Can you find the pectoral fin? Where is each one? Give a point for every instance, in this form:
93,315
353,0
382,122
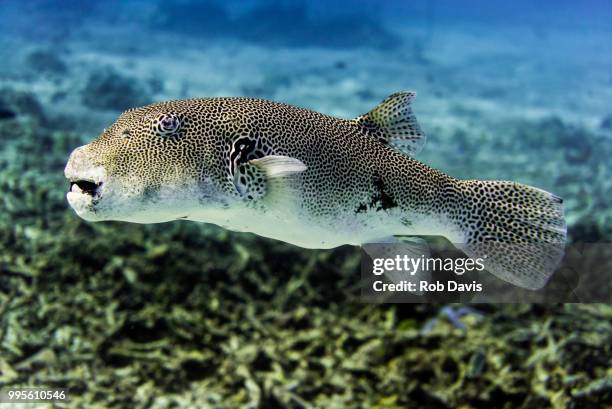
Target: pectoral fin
271,178
279,166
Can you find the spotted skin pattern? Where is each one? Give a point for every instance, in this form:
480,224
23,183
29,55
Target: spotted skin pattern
208,135
359,179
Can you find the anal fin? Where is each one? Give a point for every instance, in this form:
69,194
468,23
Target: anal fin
412,247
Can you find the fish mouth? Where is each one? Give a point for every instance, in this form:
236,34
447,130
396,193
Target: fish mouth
83,196
85,187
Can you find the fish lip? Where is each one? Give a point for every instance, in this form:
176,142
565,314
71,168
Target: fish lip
84,204
85,186
89,183
83,195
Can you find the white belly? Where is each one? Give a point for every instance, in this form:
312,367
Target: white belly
308,231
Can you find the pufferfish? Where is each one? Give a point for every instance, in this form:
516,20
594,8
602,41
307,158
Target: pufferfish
309,179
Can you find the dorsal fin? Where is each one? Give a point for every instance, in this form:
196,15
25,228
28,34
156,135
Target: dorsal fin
393,122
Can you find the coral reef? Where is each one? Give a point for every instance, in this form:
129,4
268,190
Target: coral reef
189,315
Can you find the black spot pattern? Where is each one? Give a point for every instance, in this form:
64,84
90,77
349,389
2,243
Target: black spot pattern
381,199
352,166
341,158
247,148
250,181
520,229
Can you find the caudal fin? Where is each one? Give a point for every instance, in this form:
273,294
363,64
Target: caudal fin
519,230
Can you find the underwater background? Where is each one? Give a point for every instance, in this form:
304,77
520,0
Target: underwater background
189,315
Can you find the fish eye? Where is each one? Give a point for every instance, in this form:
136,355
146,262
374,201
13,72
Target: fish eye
126,133
167,125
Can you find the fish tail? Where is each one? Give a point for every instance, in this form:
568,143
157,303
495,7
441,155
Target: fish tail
519,230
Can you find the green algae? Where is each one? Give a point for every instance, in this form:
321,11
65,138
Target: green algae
189,315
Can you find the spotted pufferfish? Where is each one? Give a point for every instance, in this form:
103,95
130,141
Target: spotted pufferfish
308,179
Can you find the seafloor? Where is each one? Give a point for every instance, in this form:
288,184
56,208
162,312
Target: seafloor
190,315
